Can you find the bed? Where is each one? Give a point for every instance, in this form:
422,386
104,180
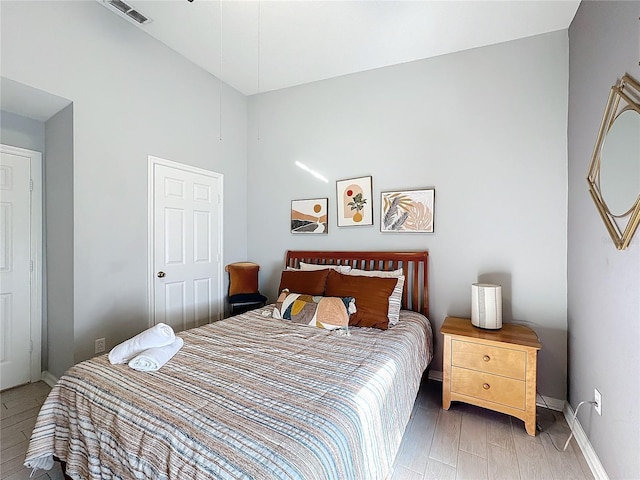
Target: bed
250,397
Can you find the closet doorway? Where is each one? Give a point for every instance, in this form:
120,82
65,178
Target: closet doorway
20,265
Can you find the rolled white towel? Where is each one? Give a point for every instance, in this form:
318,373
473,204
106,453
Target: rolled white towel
154,358
156,336
43,462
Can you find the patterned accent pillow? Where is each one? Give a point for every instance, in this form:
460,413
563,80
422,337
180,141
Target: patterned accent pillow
395,300
330,313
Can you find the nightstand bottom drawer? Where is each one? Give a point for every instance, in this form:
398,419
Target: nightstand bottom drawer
491,388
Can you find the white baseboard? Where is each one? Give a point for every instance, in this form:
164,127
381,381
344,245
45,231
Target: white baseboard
581,437
589,453
552,403
49,378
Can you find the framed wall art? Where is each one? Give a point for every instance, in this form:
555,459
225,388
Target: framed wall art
409,211
353,197
309,216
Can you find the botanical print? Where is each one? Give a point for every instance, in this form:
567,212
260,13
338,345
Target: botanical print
407,211
309,216
354,202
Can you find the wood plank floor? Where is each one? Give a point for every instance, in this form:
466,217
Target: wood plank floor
464,442
467,442
19,408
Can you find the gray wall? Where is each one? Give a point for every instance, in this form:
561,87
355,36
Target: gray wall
485,127
603,283
23,132
132,97
58,179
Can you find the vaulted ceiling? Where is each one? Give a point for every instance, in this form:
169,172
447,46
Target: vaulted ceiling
258,46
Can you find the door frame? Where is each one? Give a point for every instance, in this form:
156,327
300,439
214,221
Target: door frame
35,287
151,292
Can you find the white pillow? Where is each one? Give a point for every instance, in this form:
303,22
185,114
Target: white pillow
312,266
376,273
395,300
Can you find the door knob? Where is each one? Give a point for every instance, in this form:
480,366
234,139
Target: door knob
161,274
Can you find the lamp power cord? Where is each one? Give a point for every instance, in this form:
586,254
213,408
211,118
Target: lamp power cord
573,422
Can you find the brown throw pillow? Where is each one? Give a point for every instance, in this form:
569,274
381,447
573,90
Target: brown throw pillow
307,282
243,278
371,294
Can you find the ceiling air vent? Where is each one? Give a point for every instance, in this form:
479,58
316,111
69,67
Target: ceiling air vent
126,11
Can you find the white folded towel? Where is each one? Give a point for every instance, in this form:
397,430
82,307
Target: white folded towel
154,358
43,462
156,336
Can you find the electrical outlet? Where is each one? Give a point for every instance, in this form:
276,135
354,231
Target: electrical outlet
598,399
100,345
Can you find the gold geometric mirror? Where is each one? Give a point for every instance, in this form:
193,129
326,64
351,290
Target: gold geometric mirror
614,173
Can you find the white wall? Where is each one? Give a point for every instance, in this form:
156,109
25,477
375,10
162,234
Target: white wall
132,97
58,180
485,127
603,283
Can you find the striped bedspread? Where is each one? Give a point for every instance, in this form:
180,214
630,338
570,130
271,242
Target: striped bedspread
249,397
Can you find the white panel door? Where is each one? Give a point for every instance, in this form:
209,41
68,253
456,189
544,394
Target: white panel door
187,227
15,270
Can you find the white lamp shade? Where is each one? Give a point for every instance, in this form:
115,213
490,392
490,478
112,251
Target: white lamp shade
486,306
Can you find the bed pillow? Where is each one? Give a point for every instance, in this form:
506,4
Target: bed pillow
330,313
376,273
313,266
310,283
395,300
371,295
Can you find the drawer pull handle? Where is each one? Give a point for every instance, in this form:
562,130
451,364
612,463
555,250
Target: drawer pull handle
486,386
486,358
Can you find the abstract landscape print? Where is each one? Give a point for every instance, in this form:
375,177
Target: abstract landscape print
309,216
407,211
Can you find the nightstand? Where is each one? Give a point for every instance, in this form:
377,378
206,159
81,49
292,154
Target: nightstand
494,369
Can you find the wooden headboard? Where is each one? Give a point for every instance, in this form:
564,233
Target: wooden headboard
413,264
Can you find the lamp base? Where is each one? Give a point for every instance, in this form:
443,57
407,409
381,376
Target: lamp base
495,326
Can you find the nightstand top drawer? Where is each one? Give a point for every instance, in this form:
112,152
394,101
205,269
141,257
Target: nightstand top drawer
490,359
509,333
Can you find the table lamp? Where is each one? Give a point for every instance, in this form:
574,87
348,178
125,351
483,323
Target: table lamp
486,306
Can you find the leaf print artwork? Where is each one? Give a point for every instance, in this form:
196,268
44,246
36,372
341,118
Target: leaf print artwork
420,217
358,202
393,203
407,211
